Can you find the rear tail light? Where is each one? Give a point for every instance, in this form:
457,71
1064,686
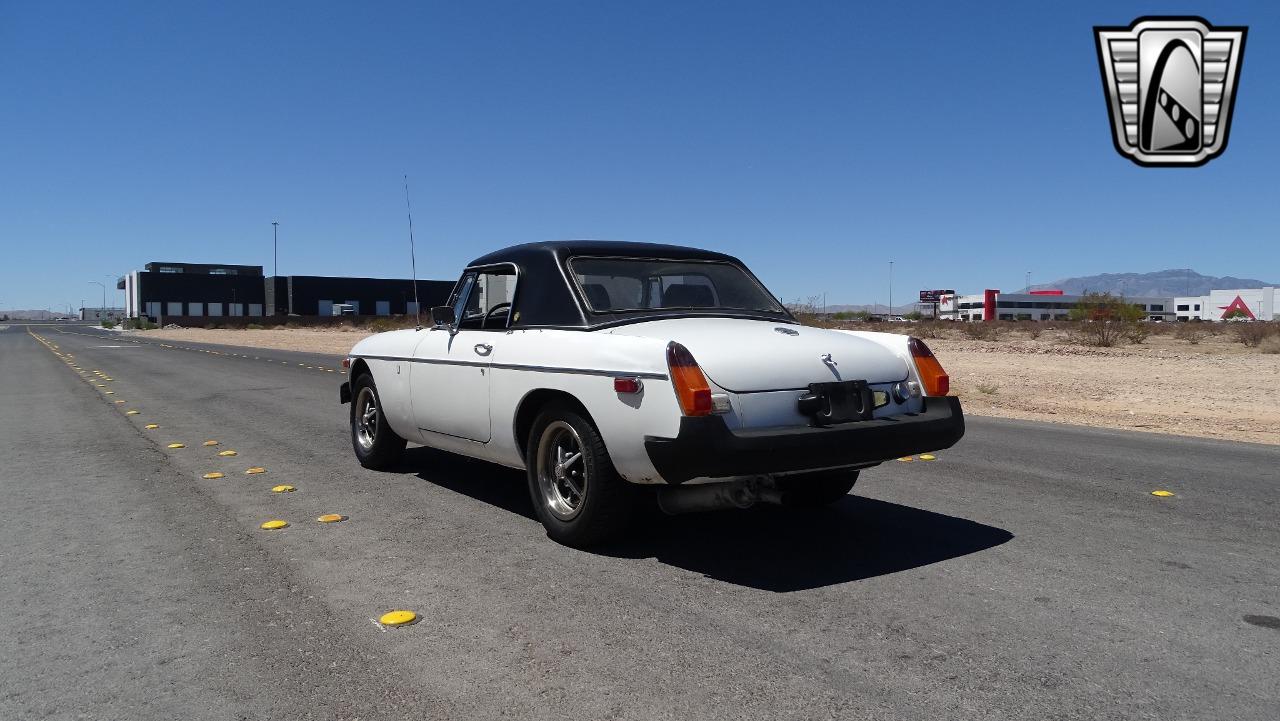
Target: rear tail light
935,380
692,389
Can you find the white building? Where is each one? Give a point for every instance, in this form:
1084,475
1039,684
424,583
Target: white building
1248,303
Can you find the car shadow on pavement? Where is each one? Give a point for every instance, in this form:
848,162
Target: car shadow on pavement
766,547
783,549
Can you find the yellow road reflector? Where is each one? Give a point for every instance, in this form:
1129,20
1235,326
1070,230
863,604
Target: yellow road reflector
273,525
928,457
398,618
131,412
283,488
331,518
152,426
255,471
101,385
215,474
110,393
227,453
1162,493
206,444
177,445
119,402
906,459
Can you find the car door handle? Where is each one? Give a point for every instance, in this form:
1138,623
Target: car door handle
483,349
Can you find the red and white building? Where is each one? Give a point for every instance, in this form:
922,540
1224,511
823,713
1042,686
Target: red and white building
1245,303
1035,305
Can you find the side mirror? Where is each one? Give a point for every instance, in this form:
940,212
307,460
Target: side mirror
442,315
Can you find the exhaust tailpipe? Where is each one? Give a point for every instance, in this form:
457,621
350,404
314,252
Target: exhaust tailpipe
746,493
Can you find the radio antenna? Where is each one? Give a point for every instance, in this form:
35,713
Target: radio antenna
413,262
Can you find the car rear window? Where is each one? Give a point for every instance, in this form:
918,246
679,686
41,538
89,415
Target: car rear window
611,285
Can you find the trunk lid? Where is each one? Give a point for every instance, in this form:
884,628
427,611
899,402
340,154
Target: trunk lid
742,355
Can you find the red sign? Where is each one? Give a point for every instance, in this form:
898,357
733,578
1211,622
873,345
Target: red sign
1237,305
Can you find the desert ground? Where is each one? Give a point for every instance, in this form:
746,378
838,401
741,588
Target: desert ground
1215,387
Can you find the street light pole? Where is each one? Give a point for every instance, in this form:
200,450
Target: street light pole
102,312
275,248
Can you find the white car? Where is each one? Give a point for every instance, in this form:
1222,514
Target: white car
606,369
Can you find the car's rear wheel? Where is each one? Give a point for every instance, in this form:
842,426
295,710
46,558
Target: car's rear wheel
376,445
578,496
821,488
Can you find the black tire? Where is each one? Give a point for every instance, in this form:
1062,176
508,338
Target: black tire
821,488
607,504
376,445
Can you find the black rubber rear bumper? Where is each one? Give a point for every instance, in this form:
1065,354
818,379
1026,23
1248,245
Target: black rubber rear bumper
705,447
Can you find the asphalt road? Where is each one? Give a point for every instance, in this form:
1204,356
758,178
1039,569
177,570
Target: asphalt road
1027,573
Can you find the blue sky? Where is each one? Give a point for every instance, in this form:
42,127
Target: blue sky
967,142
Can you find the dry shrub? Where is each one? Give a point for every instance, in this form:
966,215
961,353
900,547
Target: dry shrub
1191,332
1270,346
1138,332
382,325
1252,333
1100,333
928,329
1034,330
980,330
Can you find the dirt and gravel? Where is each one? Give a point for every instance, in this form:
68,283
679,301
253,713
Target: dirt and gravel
1216,388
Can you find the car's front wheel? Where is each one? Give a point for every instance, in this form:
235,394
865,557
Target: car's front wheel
376,445
578,496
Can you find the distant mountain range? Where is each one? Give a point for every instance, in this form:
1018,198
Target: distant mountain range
1161,283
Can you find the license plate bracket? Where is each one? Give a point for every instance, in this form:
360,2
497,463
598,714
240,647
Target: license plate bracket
837,402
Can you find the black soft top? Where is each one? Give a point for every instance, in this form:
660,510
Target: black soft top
546,297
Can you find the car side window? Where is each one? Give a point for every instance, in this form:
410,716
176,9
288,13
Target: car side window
486,303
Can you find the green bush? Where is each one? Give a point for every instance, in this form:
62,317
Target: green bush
253,326
1104,320
108,323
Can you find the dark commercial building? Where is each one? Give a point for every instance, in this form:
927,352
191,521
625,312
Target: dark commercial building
202,290
316,295
165,290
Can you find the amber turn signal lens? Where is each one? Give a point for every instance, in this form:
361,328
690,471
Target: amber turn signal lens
935,380
692,389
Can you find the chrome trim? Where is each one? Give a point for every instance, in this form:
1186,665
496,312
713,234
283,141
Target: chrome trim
518,367
480,269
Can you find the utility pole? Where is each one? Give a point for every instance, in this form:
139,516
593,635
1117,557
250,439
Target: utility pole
275,248
1028,281
890,313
